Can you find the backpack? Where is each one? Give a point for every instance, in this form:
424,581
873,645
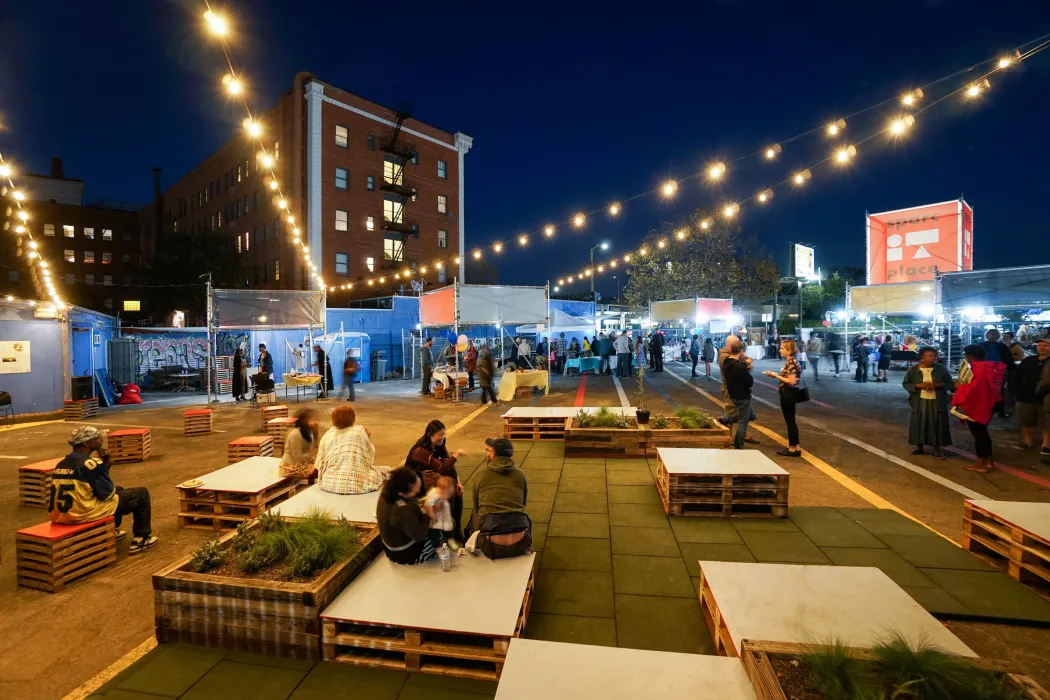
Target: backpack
991,351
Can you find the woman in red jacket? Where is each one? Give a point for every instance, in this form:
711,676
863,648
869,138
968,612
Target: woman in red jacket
429,459
471,359
973,401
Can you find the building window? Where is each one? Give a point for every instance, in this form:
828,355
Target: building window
393,211
69,255
245,204
370,263
107,234
89,256
371,142
276,150
415,159
125,258
107,258
342,264
371,182
266,233
341,218
442,276
175,226
247,241
240,245
370,223
69,278
393,249
108,303
67,230
255,200
12,275
218,216
342,135
49,229
89,279
442,170
255,236
238,173
107,280
127,280
276,270
442,238
266,272
125,236
393,172
442,204
341,175
132,305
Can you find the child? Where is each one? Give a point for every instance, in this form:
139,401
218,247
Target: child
802,359
438,498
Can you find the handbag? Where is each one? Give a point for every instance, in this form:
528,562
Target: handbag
801,392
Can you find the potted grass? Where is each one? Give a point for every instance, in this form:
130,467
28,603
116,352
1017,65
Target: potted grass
601,432
892,669
643,400
688,427
262,588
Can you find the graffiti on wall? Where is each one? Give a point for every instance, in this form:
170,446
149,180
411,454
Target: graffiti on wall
227,342
170,351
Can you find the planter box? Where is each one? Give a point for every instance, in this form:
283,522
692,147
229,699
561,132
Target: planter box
757,665
640,441
275,618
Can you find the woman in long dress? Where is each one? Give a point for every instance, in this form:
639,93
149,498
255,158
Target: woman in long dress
928,384
240,372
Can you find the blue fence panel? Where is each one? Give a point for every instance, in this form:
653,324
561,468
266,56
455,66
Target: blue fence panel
41,389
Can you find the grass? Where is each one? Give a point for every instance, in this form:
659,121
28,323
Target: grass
602,418
693,418
838,676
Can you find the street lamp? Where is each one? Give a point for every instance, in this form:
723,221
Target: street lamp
617,288
604,246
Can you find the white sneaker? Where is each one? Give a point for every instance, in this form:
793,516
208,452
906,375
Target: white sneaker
121,534
141,544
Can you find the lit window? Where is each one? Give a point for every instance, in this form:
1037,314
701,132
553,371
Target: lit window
442,170
238,173
442,204
89,256
342,135
218,215
341,218
107,258
442,238
370,263
342,264
89,279
67,230
69,278
371,182
247,241
393,211
393,249
240,245
89,233
276,150
371,143
108,303
107,280
370,223
276,270
175,227
69,255
125,258
49,229
393,172
12,275
132,305
107,234
341,175
125,236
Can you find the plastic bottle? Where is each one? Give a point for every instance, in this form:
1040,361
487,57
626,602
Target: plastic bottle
445,556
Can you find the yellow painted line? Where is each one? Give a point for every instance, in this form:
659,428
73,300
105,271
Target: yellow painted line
98,680
477,412
822,466
19,426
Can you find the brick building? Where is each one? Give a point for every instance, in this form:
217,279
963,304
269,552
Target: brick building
371,189
92,246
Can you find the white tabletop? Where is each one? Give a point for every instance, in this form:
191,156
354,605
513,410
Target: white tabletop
561,411
1033,517
689,460
357,508
424,596
557,671
250,475
811,603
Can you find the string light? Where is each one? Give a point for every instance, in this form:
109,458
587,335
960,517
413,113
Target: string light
253,127
1004,62
975,89
802,177
901,124
705,224
680,234
661,243
909,99
612,263
6,171
669,188
43,279
18,196
266,159
579,220
773,151
716,171
614,209
216,23
845,154
498,247
643,252
523,239
477,255
836,127
234,86
730,210
548,231
627,258
765,195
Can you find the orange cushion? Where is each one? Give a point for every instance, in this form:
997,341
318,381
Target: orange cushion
250,440
285,420
45,466
131,432
53,531
197,412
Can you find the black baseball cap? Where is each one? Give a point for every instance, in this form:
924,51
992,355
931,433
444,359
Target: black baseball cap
502,446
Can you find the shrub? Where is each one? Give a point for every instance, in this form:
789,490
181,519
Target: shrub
207,556
930,673
603,417
623,421
658,422
584,419
308,545
837,676
692,418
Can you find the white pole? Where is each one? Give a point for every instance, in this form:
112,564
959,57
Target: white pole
207,344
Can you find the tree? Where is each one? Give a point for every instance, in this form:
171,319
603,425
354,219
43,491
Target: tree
175,274
720,262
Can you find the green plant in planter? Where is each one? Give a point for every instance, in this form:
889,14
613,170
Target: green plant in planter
604,417
623,421
584,419
308,545
658,422
207,556
643,399
692,418
837,676
930,673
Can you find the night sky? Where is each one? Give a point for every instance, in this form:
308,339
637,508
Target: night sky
572,105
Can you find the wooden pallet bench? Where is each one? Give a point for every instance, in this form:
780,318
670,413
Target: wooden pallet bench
249,446
720,483
853,605
234,494
131,445
538,428
271,412
196,421
81,409
278,428
467,642
50,556
34,483
1011,535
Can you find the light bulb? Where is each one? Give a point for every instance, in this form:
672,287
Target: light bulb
669,188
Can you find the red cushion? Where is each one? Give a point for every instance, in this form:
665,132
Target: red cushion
54,531
130,432
197,412
46,466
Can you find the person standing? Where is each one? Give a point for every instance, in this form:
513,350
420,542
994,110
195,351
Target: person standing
789,376
426,364
1030,408
470,359
514,353
694,353
973,402
860,355
350,367
622,346
605,351
885,353
240,375
729,415
560,349
928,385
639,352
738,383
324,368
300,358
486,374
815,350
656,347
265,361
1016,349
708,356
997,353
524,351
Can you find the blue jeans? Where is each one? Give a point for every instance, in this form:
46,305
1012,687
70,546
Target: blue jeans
744,415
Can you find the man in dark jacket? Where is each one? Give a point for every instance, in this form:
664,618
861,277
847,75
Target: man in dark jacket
426,364
738,384
604,351
265,361
860,354
1030,408
656,347
730,415
486,373
500,494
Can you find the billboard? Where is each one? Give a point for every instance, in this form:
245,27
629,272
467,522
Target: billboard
803,261
913,244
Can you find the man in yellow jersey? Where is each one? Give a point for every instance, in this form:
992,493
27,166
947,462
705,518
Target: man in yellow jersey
82,491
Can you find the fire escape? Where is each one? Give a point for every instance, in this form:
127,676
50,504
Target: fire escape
397,192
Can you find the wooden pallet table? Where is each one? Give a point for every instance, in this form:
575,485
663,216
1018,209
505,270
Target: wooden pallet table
278,428
51,556
81,409
1012,535
229,496
271,412
387,617
130,445
545,423
854,605
34,483
358,509
249,446
196,421
720,483
554,670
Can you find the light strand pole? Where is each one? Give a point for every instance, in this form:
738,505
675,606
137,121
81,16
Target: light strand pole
208,344
594,302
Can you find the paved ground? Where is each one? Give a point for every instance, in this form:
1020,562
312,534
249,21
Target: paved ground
612,568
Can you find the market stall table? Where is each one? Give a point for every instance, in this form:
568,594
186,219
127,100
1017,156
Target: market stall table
756,352
183,377
305,381
447,376
512,380
582,364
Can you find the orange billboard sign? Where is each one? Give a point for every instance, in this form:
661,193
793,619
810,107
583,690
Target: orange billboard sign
913,244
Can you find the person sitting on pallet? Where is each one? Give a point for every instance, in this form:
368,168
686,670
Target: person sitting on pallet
82,491
500,495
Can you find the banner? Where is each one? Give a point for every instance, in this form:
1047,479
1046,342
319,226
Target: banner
912,245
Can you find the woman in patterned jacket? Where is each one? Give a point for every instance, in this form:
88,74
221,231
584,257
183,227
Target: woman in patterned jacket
346,456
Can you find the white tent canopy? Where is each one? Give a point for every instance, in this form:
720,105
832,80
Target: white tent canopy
904,298
470,304
561,322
